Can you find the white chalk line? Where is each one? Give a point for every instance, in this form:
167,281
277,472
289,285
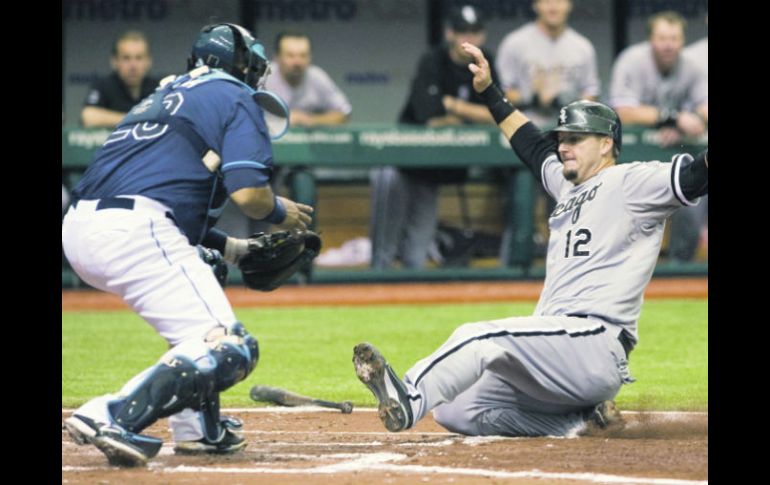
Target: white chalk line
319,409
357,463
362,462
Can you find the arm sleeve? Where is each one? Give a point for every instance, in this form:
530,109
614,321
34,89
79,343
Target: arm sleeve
694,177
247,155
532,147
215,239
538,153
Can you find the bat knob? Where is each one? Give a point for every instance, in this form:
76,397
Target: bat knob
347,407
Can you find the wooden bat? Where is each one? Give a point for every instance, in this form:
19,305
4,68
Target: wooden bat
282,397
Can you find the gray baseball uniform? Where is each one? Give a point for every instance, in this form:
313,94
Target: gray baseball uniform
698,53
317,93
636,81
528,52
532,376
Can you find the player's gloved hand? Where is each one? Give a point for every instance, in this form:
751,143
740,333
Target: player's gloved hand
214,258
273,258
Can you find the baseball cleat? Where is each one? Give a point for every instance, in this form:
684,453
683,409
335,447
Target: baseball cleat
121,447
394,408
606,415
231,443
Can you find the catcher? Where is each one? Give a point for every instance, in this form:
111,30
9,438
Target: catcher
150,196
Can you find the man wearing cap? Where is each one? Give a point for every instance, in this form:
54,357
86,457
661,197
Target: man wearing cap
405,200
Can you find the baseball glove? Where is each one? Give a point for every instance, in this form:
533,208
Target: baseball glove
273,258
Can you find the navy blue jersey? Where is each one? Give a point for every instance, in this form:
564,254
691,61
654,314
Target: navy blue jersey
157,149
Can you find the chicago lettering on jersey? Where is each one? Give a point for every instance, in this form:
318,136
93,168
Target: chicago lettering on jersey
575,203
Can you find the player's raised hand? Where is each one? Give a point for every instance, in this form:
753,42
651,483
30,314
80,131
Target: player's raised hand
482,74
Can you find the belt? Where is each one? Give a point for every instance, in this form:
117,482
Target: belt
119,203
115,203
623,338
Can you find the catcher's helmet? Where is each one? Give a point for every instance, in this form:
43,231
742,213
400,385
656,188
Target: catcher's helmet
233,49
591,117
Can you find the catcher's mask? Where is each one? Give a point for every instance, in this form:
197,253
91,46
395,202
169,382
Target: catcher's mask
590,117
233,49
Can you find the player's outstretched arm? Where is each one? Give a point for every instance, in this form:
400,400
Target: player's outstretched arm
507,117
525,138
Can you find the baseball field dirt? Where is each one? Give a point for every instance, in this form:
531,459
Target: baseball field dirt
309,446
317,445
372,294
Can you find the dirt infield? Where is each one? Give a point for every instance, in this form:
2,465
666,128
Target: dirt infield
371,294
312,446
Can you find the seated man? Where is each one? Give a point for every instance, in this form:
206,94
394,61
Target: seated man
405,199
654,85
110,98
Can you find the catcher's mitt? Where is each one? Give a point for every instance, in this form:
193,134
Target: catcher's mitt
273,258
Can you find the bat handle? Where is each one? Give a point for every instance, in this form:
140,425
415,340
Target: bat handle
346,407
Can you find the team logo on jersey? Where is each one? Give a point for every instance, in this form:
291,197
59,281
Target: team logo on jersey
575,203
93,97
563,116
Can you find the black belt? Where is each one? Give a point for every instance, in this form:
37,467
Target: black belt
623,337
115,203
119,203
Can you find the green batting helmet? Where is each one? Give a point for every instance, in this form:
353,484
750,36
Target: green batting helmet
590,117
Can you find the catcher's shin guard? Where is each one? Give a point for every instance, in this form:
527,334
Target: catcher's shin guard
166,388
190,375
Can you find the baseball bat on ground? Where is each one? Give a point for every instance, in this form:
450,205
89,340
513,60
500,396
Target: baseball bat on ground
282,397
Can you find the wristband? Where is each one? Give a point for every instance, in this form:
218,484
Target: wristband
278,214
500,107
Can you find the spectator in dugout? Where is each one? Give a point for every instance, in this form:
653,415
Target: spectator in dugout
653,84
111,97
405,199
314,100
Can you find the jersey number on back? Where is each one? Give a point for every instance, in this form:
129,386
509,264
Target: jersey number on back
144,116
582,237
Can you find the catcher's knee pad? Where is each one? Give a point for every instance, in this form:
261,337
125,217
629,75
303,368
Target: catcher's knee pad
235,353
166,388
